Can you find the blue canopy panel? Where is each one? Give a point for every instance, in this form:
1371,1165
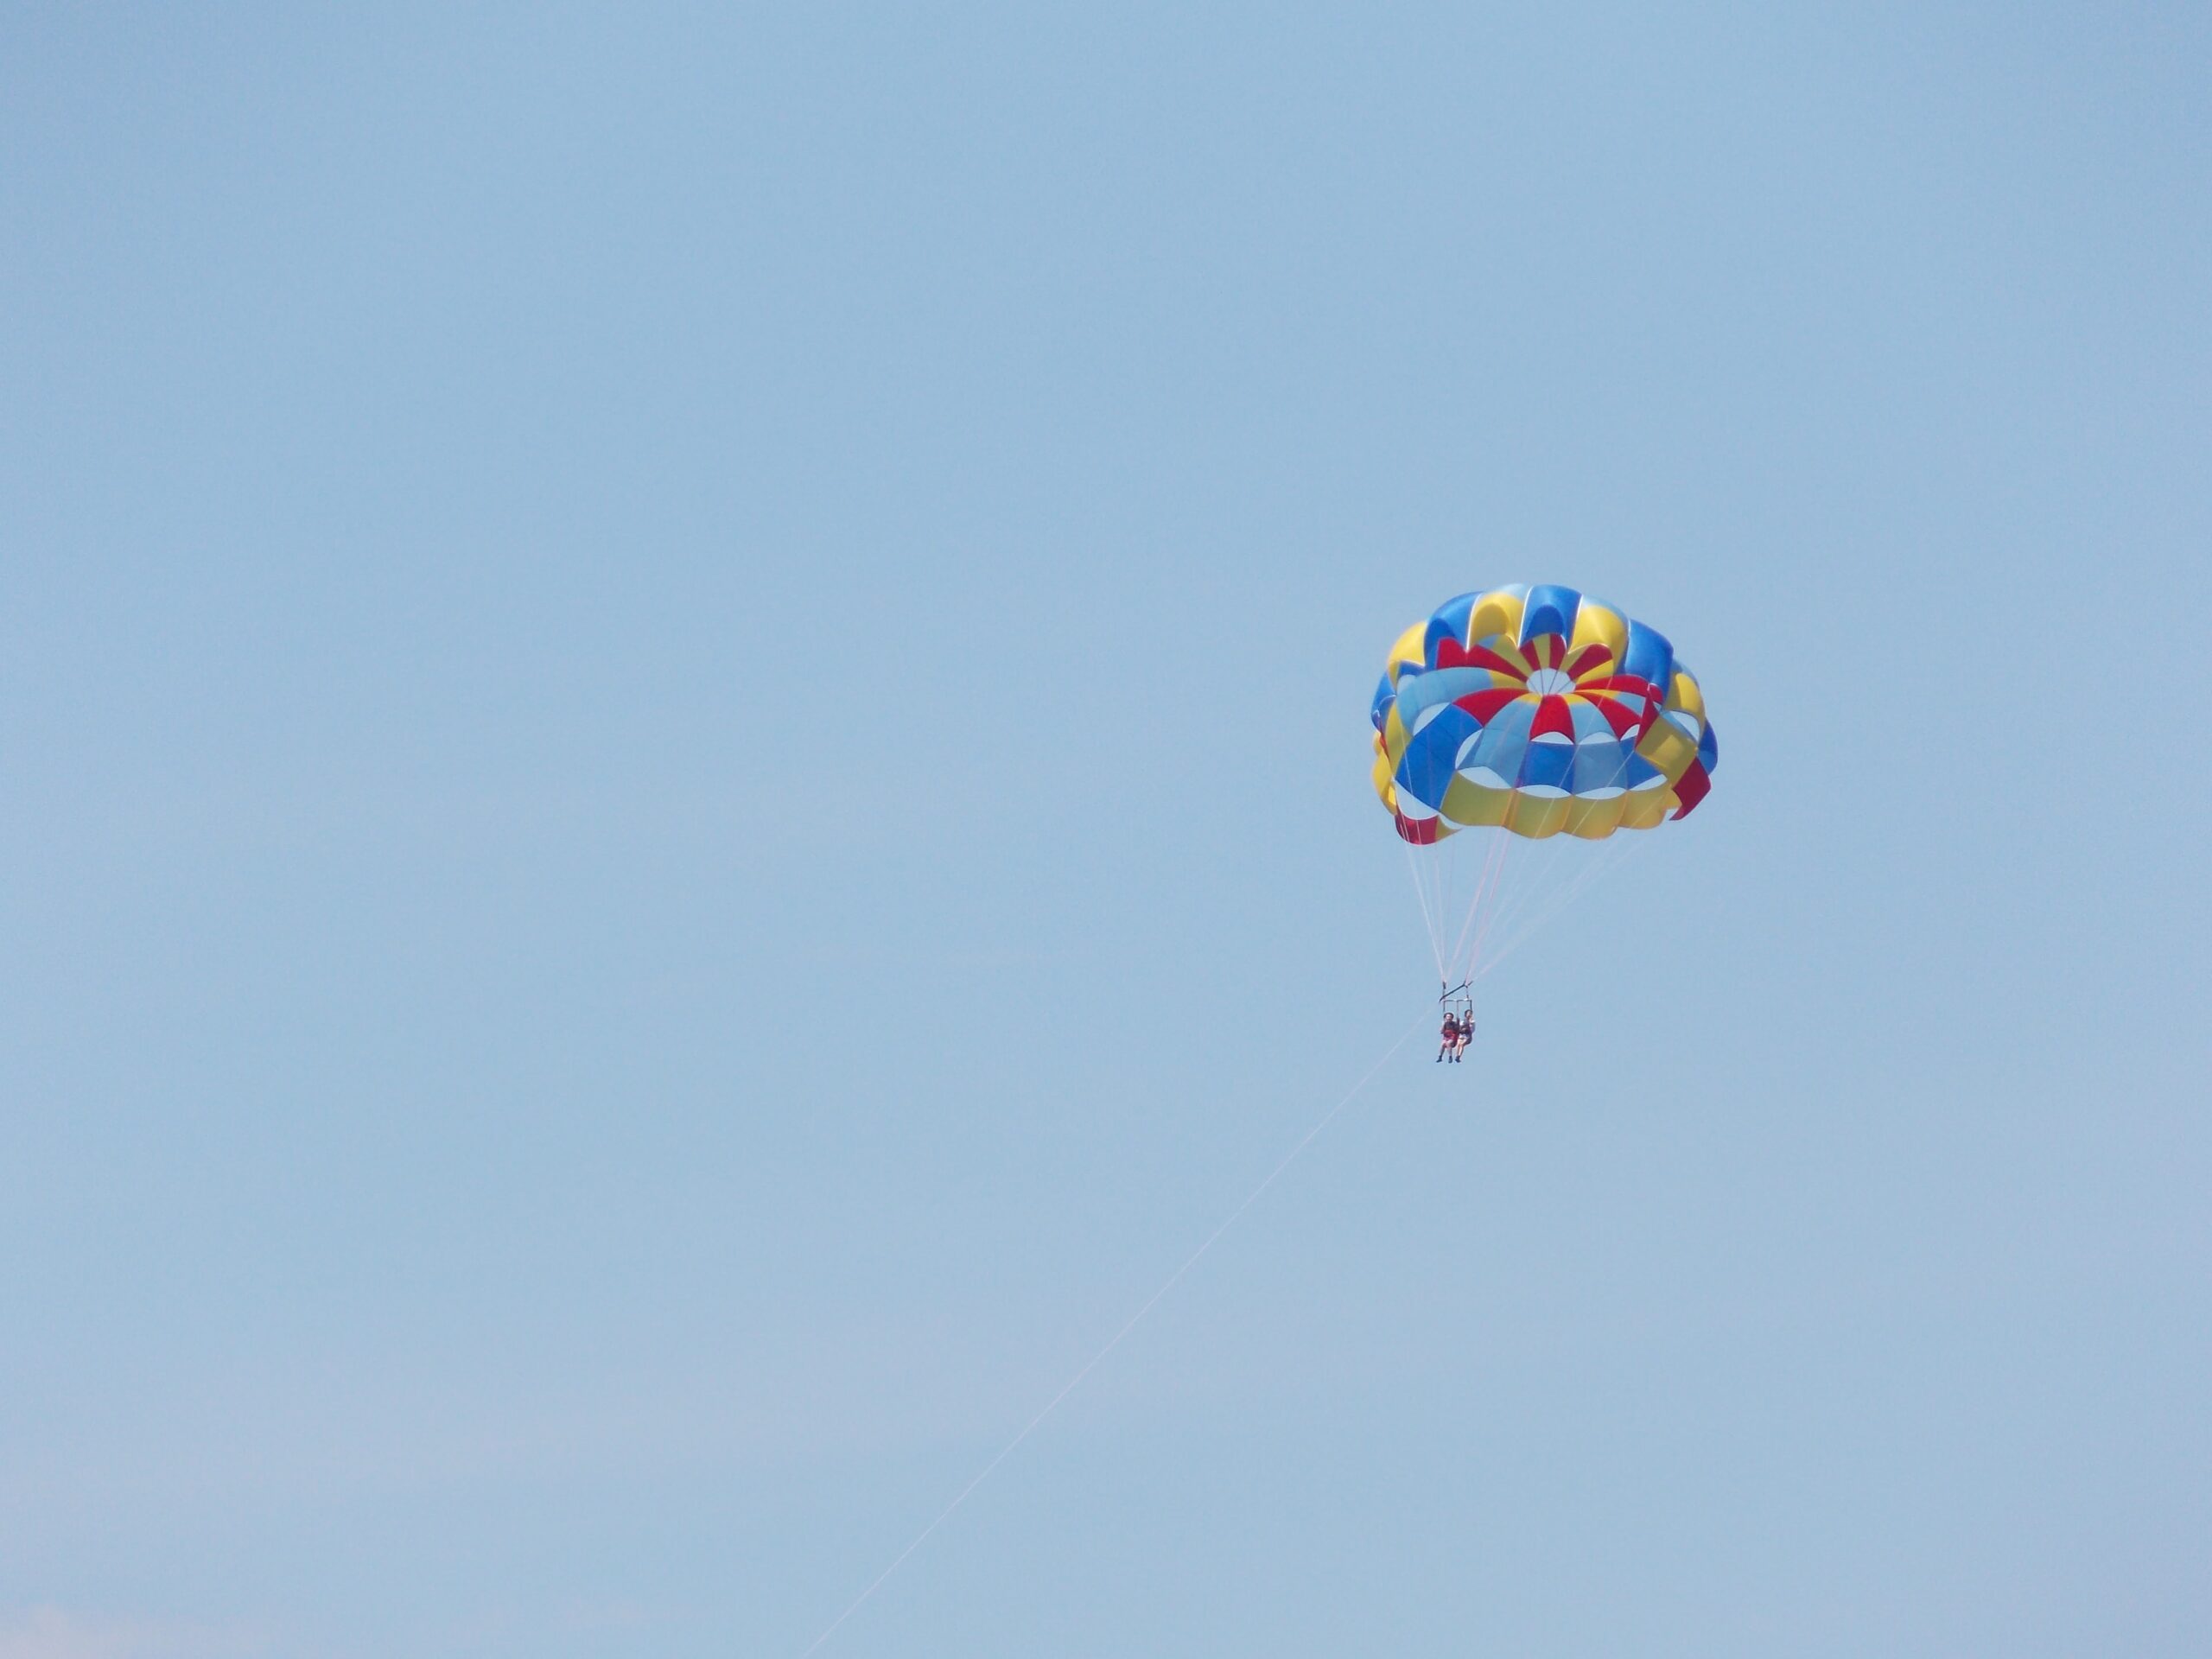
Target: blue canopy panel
1649,656
1547,763
1498,750
1549,610
1448,621
1600,765
1433,755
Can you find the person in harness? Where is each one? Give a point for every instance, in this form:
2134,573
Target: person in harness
1458,1005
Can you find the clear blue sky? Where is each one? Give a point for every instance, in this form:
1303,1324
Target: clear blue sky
683,791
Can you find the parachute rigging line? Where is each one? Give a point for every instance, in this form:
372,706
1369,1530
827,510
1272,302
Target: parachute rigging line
1427,910
1607,859
1114,1341
1493,872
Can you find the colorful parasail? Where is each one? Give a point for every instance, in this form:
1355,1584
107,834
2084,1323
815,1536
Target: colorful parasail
1531,713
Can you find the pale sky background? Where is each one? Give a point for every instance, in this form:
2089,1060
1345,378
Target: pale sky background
683,791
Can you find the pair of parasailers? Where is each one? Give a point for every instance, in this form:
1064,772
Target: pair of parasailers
1458,1032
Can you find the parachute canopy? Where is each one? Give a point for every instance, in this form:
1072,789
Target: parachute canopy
1538,711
